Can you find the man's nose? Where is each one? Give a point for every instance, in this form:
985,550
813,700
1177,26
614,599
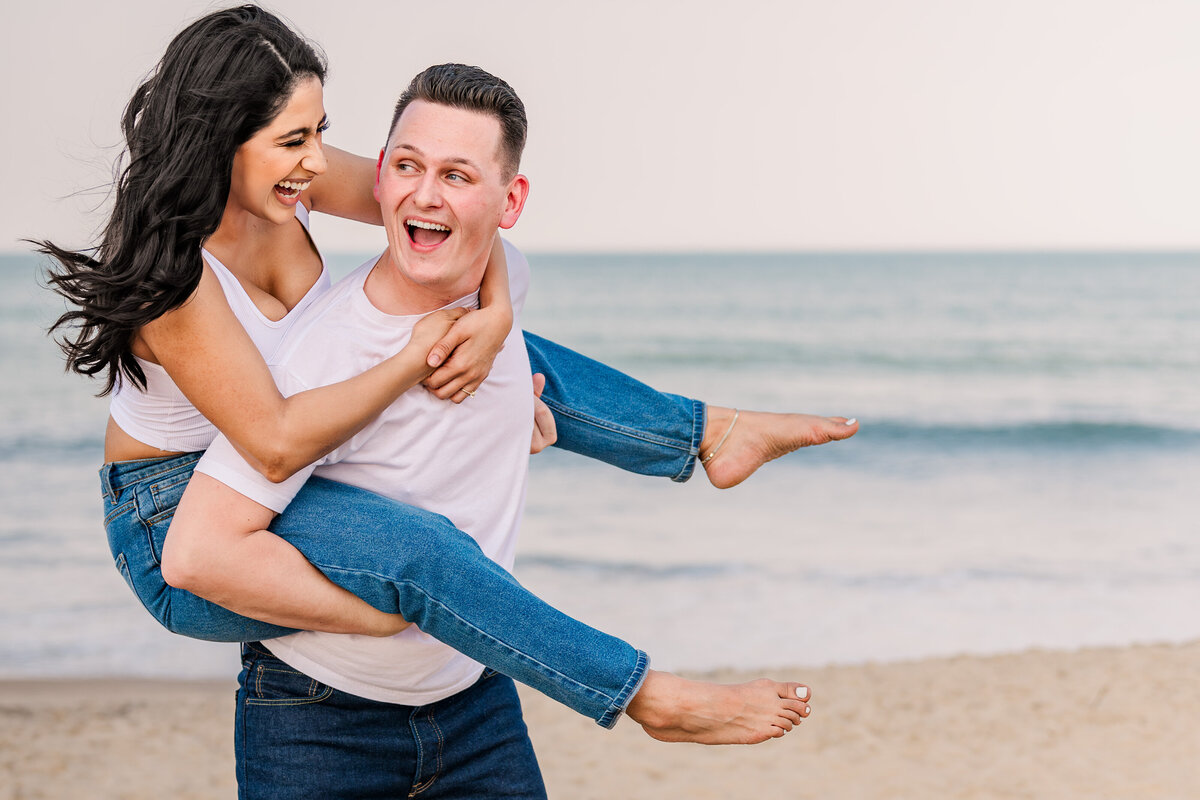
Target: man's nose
429,191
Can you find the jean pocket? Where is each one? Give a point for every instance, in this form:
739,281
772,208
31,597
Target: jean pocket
269,681
168,490
165,497
156,533
123,568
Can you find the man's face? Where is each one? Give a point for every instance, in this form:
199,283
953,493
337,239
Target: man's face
443,194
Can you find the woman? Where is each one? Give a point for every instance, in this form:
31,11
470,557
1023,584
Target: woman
186,295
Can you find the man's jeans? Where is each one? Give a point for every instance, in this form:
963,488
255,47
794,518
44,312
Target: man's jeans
405,560
297,739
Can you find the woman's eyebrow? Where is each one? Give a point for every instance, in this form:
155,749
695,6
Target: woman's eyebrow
298,131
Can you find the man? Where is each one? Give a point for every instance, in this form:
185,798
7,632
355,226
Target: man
329,715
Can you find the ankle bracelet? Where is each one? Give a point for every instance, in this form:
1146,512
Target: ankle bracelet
713,453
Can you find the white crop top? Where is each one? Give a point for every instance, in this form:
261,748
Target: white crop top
161,416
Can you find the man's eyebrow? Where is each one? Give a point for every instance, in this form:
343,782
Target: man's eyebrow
452,159
305,130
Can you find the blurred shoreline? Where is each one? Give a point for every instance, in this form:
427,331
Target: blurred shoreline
1098,723
1024,475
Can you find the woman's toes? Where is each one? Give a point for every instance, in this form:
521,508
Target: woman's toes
796,690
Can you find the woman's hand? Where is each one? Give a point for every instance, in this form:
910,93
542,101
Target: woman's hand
464,356
545,432
432,329
382,624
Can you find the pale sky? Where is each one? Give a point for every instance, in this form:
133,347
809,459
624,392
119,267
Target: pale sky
699,125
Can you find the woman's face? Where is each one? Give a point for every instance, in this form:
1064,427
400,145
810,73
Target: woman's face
273,168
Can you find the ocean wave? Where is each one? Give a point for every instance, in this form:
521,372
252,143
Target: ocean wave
26,447
886,580
1050,434
629,569
965,359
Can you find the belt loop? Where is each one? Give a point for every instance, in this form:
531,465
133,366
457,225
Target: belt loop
106,482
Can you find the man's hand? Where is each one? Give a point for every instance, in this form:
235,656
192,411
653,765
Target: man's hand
545,433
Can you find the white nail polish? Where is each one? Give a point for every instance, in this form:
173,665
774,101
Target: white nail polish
802,692
851,421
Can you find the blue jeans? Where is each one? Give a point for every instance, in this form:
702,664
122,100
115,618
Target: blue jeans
405,560
606,415
297,738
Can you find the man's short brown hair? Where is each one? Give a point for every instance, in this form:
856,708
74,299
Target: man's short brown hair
473,89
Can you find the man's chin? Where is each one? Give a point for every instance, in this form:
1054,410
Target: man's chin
423,262
432,270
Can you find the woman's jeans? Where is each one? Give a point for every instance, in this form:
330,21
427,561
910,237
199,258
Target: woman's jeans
405,560
606,415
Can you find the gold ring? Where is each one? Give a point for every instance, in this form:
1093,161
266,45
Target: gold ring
467,392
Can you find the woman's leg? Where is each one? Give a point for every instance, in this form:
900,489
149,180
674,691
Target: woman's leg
399,559
139,501
405,560
607,415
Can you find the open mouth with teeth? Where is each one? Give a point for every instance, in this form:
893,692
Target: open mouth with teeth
426,234
290,190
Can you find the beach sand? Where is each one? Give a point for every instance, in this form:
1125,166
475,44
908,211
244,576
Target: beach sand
1098,723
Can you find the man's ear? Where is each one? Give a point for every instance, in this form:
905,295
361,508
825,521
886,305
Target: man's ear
378,167
518,192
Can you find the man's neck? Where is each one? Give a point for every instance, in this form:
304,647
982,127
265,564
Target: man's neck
390,292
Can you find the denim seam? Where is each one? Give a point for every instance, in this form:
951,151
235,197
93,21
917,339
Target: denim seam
136,474
636,679
118,511
122,566
437,772
239,721
262,651
420,745
451,613
313,697
106,483
166,485
107,470
567,411
699,416
158,516
147,530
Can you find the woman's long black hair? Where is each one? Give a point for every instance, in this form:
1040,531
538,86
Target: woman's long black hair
222,79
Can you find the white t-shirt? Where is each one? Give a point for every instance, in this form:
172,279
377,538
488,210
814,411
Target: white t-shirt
467,461
160,415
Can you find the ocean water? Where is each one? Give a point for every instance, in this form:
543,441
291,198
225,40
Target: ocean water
1025,475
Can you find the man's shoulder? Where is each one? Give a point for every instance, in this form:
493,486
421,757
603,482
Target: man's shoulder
518,275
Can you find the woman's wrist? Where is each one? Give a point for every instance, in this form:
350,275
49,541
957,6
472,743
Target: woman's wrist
382,624
412,360
499,317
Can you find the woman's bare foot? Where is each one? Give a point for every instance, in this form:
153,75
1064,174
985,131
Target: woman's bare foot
759,437
674,709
